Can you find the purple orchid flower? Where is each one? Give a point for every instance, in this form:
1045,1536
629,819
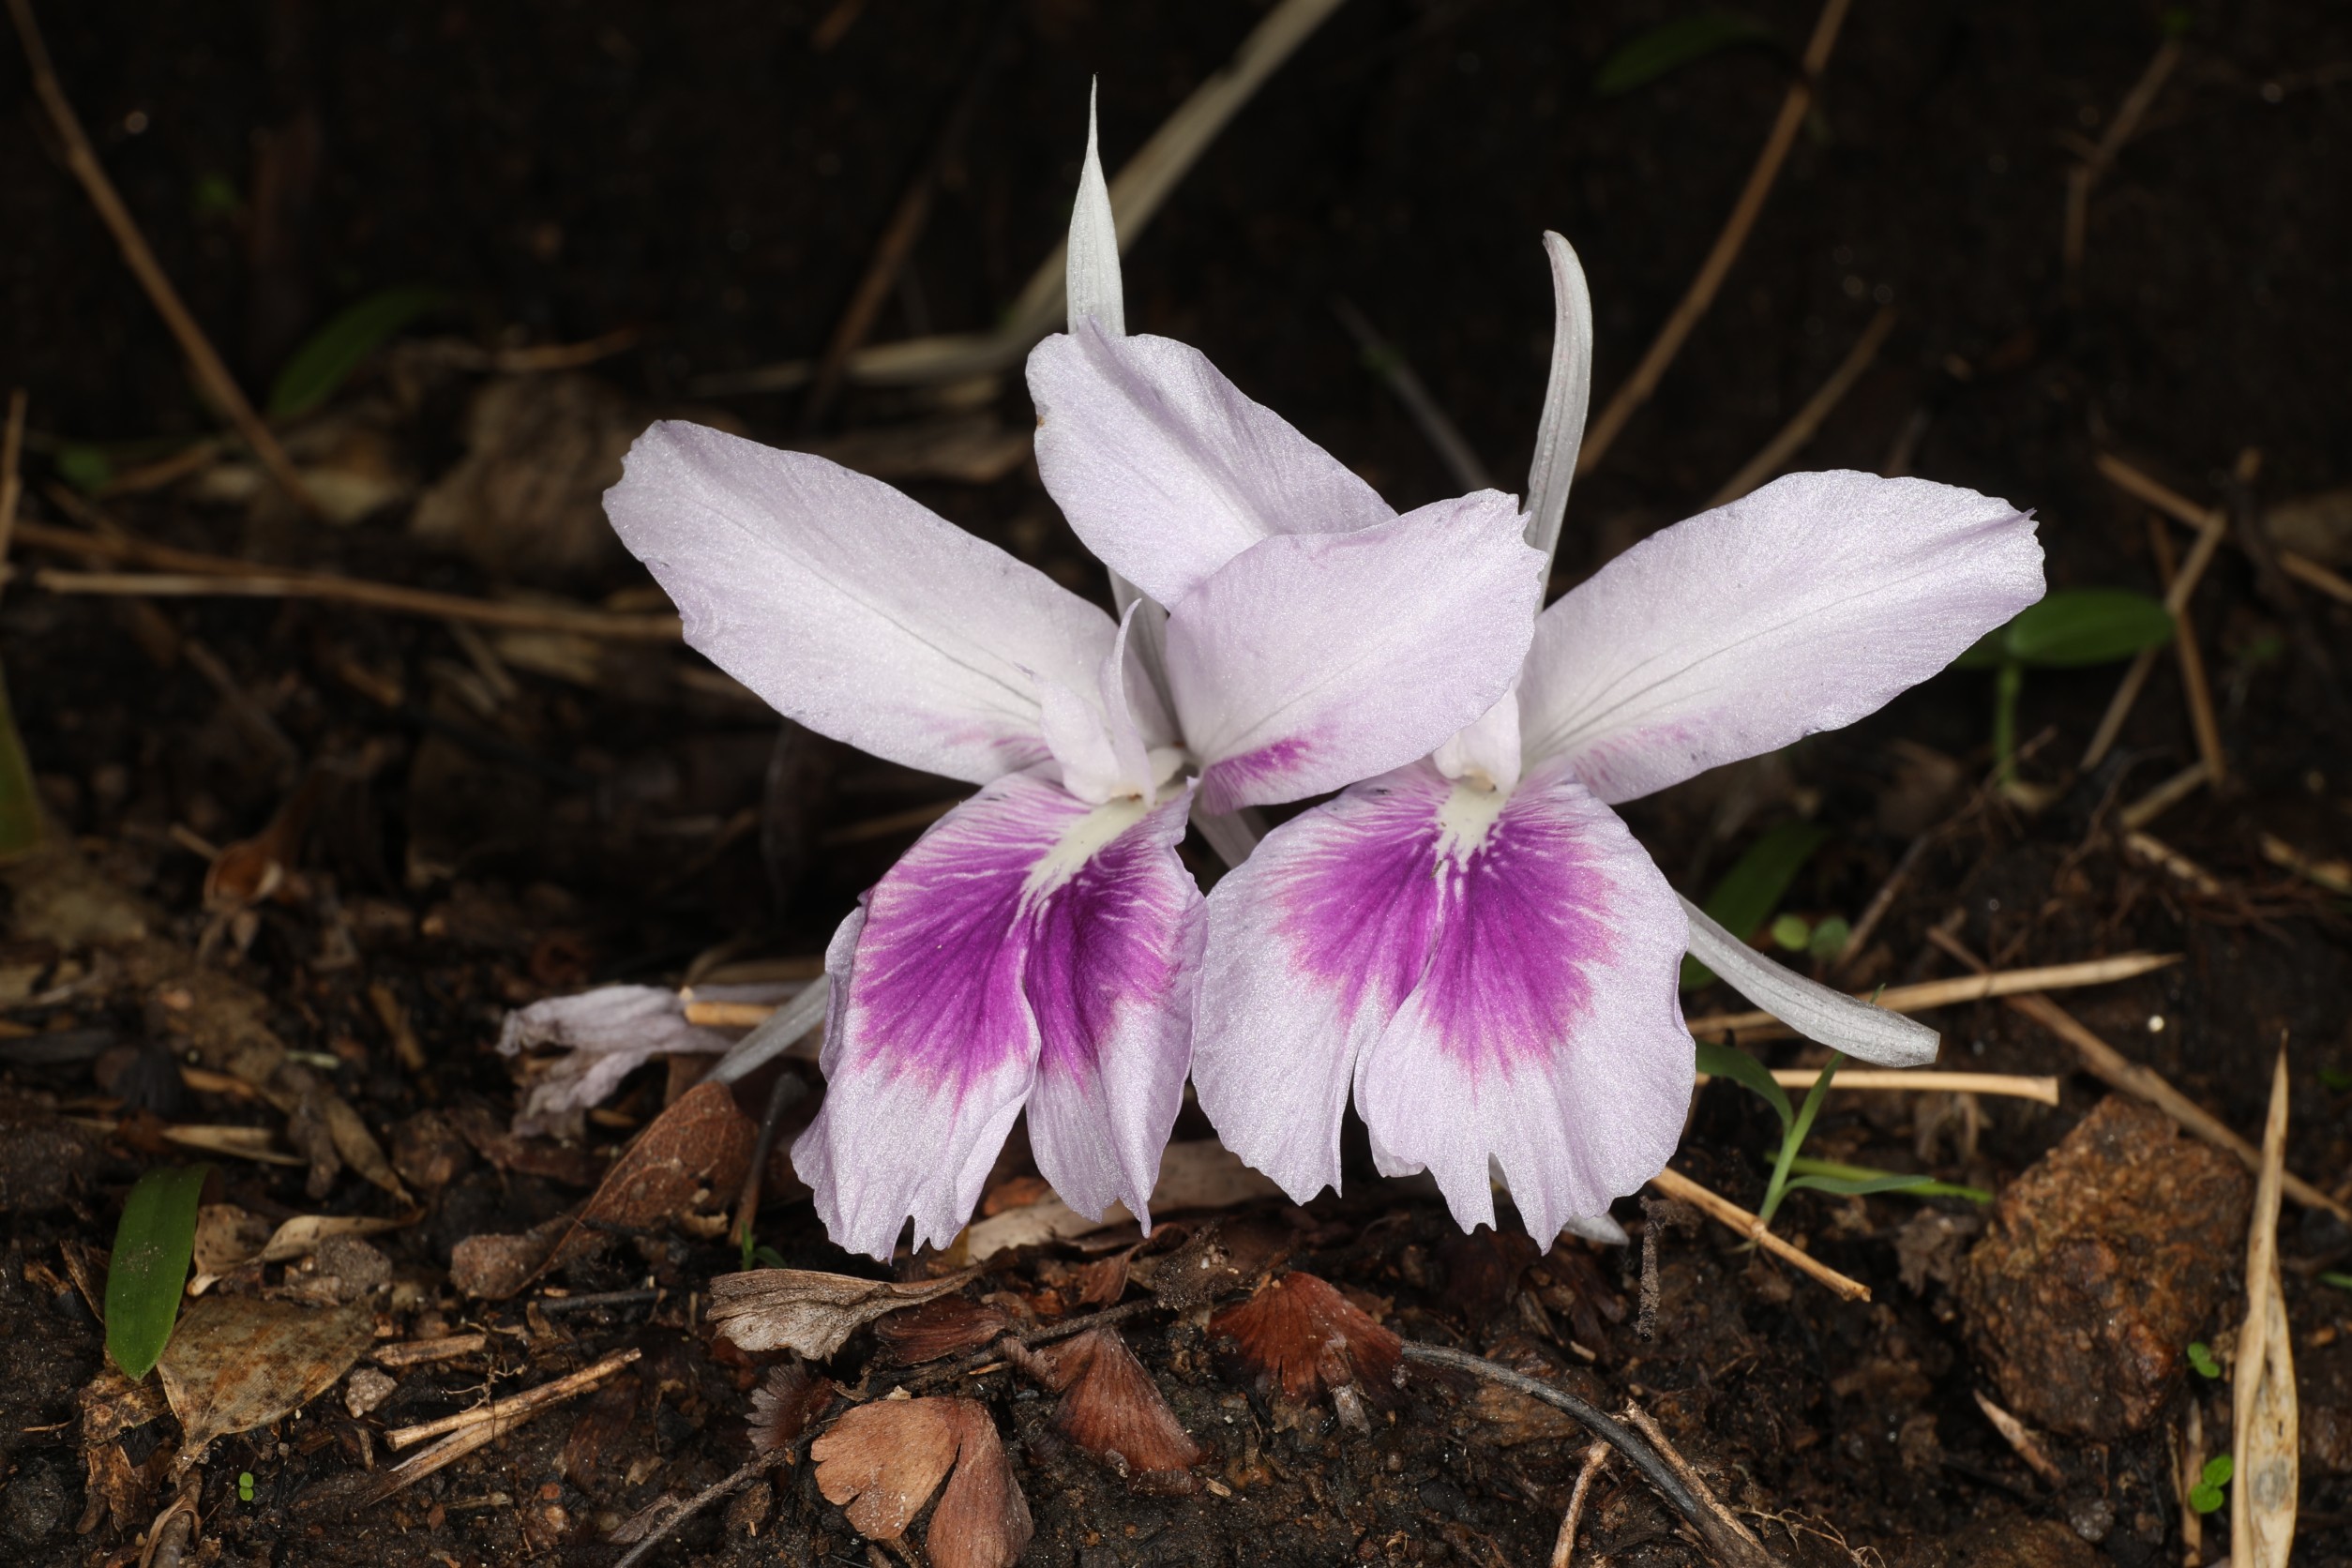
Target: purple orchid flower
1038,948
1473,942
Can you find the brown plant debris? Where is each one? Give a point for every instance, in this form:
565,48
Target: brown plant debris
2101,1263
236,1362
947,1326
809,1311
1299,1334
787,1400
1111,1409
881,1462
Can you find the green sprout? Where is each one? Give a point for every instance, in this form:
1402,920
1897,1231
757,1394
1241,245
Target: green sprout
2335,1078
2070,630
245,1485
2340,1281
2201,1357
1790,1172
2205,1496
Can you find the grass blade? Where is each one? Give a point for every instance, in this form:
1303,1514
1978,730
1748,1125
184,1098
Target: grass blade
144,1279
326,359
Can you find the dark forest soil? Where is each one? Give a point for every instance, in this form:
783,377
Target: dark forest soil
712,180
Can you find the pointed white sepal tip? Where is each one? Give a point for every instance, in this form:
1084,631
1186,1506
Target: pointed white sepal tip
1091,274
1828,1017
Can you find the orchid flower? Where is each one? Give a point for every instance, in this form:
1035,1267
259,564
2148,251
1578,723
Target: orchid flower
1038,948
1473,944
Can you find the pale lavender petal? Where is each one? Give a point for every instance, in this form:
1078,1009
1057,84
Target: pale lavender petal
1095,737
1090,273
1029,948
1800,606
1311,661
851,608
1544,1035
1812,1009
930,1045
1567,394
1313,943
1166,471
1495,973
606,1035
1114,958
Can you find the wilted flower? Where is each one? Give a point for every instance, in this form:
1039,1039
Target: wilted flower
1474,943
1038,947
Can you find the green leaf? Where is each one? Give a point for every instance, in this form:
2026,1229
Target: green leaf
2201,1357
1829,937
1793,932
1750,891
20,800
2081,626
2219,1469
2205,1497
332,353
86,468
2340,1281
1850,1186
2335,1078
1669,48
1821,1173
1739,1066
144,1279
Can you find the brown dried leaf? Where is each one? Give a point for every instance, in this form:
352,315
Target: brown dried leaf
787,1400
1301,1336
1103,1281
236,1362
227,1239
884,1460
812,1312
945,1327
881,1462
689,1156
1111,1409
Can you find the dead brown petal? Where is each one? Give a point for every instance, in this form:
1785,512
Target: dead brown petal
236,1362
1299,1335
882,1461
1111,1408
945,1327
809,1311
787,1400
1104,1280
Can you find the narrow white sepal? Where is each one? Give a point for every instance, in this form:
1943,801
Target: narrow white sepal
774,1035
1091,278
1596,1228
1819,1014
1567,398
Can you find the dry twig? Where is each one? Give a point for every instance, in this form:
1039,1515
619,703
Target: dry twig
2182,510
2028,1447
2161,799
503,1415
1946,994
83,159
2014,1086
1637,388
1564,1544
1674,1185
1802,429
2212,527
2262,1377
2085,175
2195,688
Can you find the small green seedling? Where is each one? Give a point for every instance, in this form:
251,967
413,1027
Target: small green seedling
1789,1172
149,1266
2340,1281
2070,630
2201,1358
328,357
2335,1078
1749,891
2205,1496
245,1485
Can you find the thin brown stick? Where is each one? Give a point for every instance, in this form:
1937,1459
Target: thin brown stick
694,1506
1732,1540
1637,388
1946,994
2156,852
2102,1060
2181,510
2262,1374
374,595
2161,799
2027,1445
83,159
502,1414
2193,687
1564,1544
2013,1086
423,1353
2085,175
1676,1185
1807,423
2333,875
2213,527
2304,570
2189,1470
